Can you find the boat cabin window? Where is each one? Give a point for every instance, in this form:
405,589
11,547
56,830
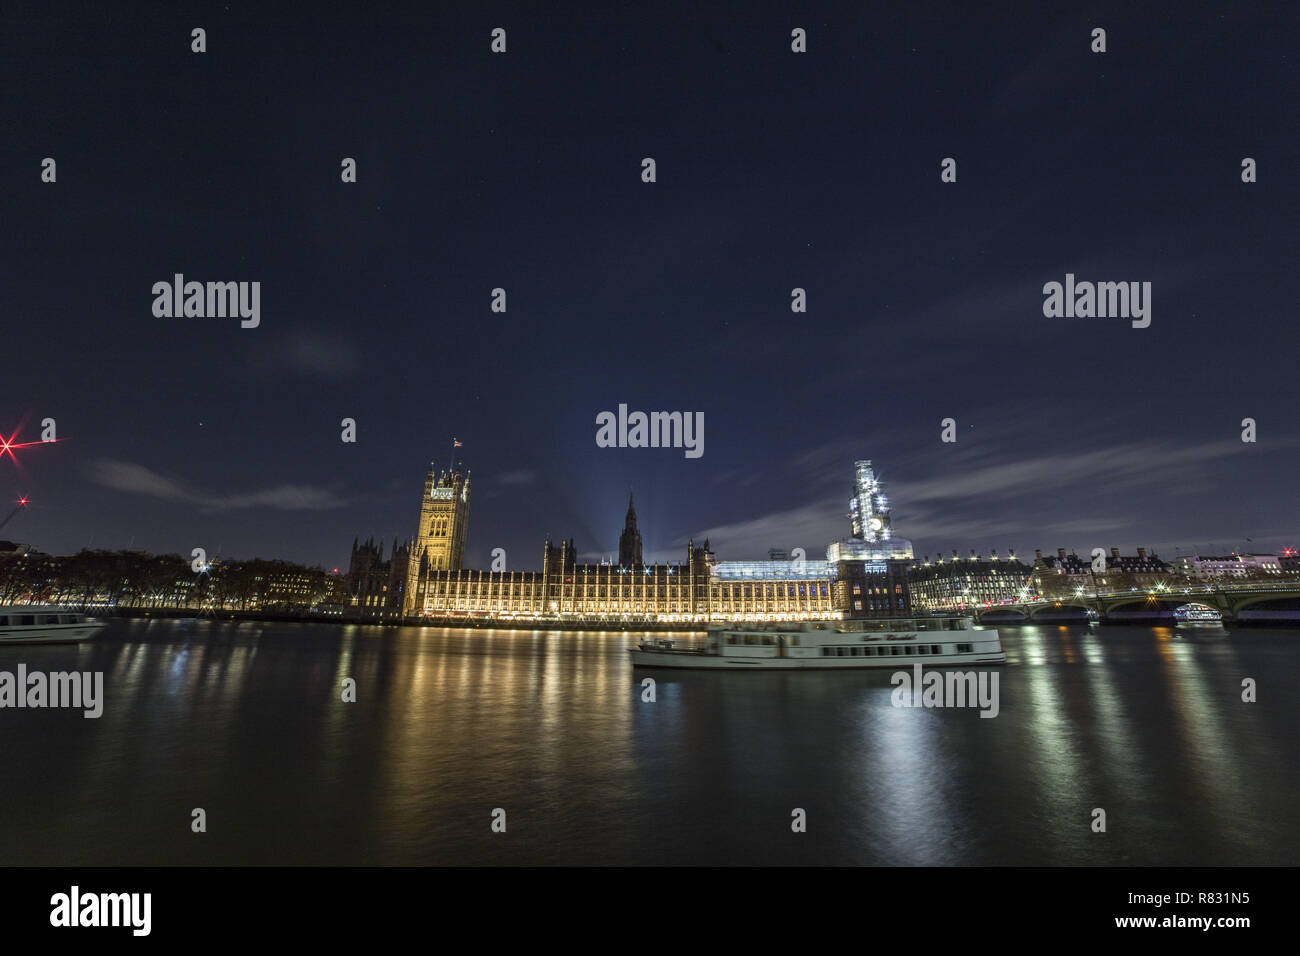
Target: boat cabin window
936,649
4,621
27,620
964,648
731,638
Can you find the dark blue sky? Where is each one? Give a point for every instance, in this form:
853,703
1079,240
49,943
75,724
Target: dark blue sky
775,170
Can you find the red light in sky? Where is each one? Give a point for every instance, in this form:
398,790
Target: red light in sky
7,445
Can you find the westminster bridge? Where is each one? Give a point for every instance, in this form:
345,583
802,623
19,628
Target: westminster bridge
1237,602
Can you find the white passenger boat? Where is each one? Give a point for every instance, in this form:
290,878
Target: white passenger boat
830,644
1198,614
44,624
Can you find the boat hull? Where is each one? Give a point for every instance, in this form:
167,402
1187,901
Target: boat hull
668,659
62,633
821,646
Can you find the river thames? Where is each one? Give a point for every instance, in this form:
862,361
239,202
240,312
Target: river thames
247,722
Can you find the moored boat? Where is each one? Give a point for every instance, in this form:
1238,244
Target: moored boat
799,645
45,624
1198,614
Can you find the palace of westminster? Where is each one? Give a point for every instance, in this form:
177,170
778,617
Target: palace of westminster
871,573
862,575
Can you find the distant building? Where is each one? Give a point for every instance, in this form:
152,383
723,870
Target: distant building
374,588
975,582
1236,566
282,586
1067,574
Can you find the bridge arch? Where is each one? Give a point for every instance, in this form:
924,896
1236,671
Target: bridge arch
1059,607
1282,605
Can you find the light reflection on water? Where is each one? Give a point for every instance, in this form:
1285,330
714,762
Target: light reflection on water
247,722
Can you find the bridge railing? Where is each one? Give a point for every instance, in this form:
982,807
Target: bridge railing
1188,591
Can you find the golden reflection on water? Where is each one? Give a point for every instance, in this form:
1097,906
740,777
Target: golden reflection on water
1204,729
1056,775
448,724
1120,759
527,701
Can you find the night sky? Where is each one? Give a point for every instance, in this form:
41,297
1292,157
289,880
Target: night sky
775,170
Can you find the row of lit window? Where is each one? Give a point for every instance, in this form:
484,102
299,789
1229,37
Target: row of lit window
769,590
567,607
474,588
891,650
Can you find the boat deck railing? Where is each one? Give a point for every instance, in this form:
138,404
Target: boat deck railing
856,625
673,647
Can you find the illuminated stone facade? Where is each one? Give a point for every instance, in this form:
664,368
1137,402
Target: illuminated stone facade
1069,575
959,585
699,589
862,577
440,537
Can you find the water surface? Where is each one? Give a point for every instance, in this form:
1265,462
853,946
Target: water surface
247,722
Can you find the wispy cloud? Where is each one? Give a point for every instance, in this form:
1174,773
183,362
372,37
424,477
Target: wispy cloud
967,504
521,477
137,479
1129,465
810,527
320,353
928,527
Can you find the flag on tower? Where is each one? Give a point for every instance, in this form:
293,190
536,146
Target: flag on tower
455,444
